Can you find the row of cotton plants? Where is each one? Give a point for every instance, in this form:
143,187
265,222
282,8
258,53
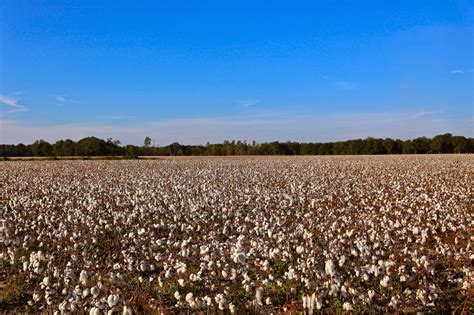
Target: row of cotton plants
261,234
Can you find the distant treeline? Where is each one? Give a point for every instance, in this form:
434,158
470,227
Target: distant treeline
92,146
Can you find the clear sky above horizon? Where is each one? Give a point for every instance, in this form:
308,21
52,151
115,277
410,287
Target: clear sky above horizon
206,71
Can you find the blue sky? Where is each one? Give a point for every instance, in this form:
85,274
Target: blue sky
199,71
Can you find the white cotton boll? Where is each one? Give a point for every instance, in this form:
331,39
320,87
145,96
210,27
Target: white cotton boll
330,268
310,302
420,295
240,258
403,278
95,292
85,292
270,233
94,311
384,281
319,303
342,260
73,306
344,292
83,277
46,281
220,300
181,282
371,294
112,300
49,300
36,296
247,287
189,297
207,300
258,296
63,306
177,296
291,274
300,250
394,302
365,277
232,308
143,266
221,306
347,306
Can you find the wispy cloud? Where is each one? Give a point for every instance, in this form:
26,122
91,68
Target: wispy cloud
457,71
10,101
247,103
12,104
424,113
346,85
117,117
63,99
263,127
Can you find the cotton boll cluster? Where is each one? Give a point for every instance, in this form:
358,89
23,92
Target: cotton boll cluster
239,235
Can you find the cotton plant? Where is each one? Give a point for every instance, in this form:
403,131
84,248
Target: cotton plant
238,234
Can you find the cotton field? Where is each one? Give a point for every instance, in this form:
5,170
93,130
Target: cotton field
237,235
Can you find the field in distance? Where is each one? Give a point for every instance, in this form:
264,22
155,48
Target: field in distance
238,234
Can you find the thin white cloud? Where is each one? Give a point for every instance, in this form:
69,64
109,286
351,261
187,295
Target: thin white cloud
346,85
247,103
12,105
457,71
117,117
265,127
17,110
425,113
10,101
63,99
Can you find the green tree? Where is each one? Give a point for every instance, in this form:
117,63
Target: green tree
112,147
64,148
392,146
421,145
131,150
147,142
42,148
460,144
408,147
91,146
442,143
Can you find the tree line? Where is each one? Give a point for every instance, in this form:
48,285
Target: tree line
92,146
